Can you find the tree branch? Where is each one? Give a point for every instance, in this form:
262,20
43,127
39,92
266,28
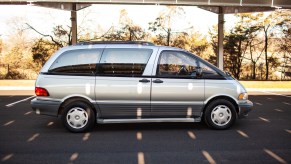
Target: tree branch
45,35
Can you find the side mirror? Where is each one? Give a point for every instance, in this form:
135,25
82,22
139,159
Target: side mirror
199,71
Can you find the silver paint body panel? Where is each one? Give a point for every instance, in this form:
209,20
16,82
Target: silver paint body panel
126,99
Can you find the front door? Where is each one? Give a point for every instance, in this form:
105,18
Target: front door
177,91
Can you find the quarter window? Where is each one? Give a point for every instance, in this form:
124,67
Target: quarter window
124,62
77,62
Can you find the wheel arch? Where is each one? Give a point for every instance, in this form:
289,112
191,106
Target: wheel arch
224,97
70,99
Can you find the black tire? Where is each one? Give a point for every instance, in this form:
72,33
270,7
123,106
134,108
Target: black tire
220,114
78,116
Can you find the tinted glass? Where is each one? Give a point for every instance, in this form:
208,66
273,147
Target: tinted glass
124,62
181,64
77,62
176,64
209,73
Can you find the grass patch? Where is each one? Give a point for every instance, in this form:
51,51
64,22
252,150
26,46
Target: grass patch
21,83
267,84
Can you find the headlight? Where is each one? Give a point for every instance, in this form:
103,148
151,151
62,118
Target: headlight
243,96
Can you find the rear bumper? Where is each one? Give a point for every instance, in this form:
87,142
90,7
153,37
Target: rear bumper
45,107
244,108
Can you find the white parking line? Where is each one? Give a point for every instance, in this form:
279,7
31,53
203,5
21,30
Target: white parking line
33,137
208,157
278,110
74,157
139,136
6,157
286,103
275,94
275,156
191,135
86,136
288,131
242,133
8,123
258,103
140,158
10,105
264,119
27,113
50,123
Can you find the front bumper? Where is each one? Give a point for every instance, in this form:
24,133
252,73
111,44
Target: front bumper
244,108
45,107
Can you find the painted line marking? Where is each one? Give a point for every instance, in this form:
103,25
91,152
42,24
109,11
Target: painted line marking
140,158
191,135
208,157
258,103
139,136
278,110
7,157
9,122
242,133
10,105
33,137
74,157
264,119
286,103
269,98
27,113
275,94
275,156
50,123
288,131
86,136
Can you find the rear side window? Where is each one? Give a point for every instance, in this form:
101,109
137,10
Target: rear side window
124,62
83,61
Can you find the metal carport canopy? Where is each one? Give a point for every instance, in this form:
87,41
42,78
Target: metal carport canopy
219,7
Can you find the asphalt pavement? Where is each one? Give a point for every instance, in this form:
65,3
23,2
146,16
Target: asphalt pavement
263,137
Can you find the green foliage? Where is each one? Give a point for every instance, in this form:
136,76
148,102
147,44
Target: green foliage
41,51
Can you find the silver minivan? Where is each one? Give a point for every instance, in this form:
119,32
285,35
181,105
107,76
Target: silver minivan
133,82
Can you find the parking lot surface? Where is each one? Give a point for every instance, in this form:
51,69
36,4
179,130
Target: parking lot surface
263,137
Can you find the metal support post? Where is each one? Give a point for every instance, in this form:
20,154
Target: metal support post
220,38
74,24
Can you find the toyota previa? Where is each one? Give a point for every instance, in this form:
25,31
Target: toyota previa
133,82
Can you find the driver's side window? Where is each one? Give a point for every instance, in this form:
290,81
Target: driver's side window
176,64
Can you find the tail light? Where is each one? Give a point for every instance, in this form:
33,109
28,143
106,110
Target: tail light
41,92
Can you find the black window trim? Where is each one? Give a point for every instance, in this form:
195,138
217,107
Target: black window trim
97,73
74,74
219,72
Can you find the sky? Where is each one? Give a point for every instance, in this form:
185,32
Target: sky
43,19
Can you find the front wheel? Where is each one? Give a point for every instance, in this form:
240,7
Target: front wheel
78,116
220,114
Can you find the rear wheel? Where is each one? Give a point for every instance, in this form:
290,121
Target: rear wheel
78,116
220,114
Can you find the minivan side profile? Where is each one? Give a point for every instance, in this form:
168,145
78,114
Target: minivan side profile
133,82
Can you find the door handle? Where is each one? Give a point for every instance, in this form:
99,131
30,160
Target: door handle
158,81
144,80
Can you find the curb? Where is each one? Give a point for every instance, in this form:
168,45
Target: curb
12,88
268,89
